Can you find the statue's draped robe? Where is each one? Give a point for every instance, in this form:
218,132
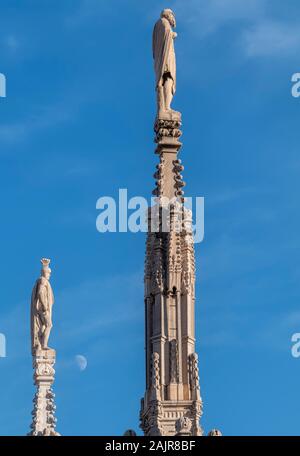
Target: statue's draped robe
163,51
36,307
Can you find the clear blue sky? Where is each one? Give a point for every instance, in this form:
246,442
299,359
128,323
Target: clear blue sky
77,125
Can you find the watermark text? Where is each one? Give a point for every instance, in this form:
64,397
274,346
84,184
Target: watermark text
295,350
2,85
296,85
2,346
135,215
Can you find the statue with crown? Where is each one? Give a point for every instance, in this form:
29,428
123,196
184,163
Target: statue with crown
42,300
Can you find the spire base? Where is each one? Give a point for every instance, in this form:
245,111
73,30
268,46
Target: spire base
43,414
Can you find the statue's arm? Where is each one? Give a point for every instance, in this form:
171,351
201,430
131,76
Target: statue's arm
42,295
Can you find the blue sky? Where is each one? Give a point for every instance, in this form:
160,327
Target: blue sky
77,125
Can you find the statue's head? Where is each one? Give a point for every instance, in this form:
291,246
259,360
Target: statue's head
170,16
46,271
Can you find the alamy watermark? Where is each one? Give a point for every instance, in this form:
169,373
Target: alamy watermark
296,86
2,346
295,350
2,85
161,215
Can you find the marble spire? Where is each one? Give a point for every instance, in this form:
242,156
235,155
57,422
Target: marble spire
42,300
172,402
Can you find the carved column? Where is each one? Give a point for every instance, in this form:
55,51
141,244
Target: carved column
43,357
43,414
172,403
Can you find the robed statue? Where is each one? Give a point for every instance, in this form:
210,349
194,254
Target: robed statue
165,60
42,300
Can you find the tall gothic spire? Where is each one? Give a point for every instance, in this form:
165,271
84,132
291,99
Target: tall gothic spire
172,403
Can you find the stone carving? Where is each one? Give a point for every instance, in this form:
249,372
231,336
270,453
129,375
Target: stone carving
42,300
43,414
183,426
188,226
196,413
215,433
176,215
164,60
43,369
155,376
151,416
157,268
155,413
148,257
158,176
172,390
167,128
173,361
188,266
151,419
194,376
179,183
187,282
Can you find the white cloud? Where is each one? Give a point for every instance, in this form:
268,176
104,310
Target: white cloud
42,119
269,38
258,31
87,10
228,195
207,16
46,116
100,304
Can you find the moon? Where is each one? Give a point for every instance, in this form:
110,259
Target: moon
81,362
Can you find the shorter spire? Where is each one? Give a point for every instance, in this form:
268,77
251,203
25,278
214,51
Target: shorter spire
43,414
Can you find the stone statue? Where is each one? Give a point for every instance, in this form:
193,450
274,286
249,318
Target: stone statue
164,60
42,300
183,426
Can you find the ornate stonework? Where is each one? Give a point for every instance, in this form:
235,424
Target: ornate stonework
167,128
172,403
183,426
43,414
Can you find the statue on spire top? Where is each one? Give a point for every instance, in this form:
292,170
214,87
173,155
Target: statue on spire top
165,61
42,300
